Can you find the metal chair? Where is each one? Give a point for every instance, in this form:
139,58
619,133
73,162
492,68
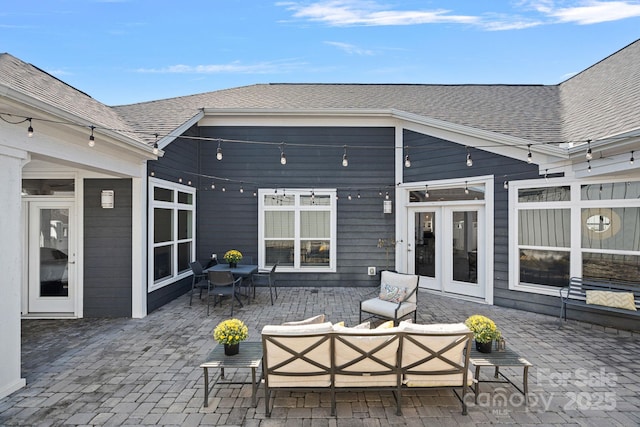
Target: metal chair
222,283
199,279
266,278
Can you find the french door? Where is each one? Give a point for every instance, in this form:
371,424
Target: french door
51,261
444,248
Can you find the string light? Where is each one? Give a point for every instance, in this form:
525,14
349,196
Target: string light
589,154
29,129
545,175
589,167
386,196
506,185
469,160
631,160
213,185
345,160
241,189
155,146
92,139
349,197
283,157
407,161
529,156
426,191
466,188
219,151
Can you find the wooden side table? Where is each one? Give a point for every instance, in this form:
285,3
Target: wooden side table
250,356
507,357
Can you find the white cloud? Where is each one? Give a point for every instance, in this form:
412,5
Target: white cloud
529,13
594,12
340,13
350,49
233,67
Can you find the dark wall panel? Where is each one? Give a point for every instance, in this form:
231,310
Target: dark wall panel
107,249
229,219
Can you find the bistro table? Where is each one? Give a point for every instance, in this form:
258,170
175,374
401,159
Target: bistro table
250,356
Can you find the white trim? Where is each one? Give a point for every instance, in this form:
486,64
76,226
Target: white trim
575,205
175,206
138,248
333,212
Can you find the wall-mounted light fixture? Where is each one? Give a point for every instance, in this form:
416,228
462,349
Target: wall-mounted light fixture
107,198
388,206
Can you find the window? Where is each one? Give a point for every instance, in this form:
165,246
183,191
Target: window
171,231
588,230
297,229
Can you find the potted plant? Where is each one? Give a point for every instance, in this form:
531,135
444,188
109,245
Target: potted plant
230,333
484,332
233,257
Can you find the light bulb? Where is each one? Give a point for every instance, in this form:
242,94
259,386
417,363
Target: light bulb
469,161
219,153
345,161
407,162
283,159
30,129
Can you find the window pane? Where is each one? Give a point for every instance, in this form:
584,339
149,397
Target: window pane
162,225
314,253
610,266
279,200
280,251
162,194
544,267
47,187
544,227
611,191
162,257
279,224
315,200
475,192
546,194
607,228
185,198
185,224
184,256
314,224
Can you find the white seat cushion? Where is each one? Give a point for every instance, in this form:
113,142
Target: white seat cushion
386,308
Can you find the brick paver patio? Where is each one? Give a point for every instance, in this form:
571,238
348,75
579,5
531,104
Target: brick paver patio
146,371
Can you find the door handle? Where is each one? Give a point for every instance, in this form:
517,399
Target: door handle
71,262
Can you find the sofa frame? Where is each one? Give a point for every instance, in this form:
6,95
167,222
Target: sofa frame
371,360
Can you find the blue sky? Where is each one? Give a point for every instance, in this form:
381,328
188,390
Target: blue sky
127,51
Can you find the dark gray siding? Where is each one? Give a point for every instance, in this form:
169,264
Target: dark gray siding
229,220
180,162
107,249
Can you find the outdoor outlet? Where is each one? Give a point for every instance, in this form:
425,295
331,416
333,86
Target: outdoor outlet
371,271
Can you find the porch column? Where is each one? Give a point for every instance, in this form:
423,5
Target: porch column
11,247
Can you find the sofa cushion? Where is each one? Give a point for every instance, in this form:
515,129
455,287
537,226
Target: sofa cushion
303,329
340,326
311,320
451,380
434,327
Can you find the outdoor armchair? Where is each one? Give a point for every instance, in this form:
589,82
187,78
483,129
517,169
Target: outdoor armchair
397,298
199,280
265,278
222,283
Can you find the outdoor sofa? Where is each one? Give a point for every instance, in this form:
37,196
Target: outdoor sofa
326,357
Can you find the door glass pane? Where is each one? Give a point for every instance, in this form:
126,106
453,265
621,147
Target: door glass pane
48,187
465,246
54,250
425,239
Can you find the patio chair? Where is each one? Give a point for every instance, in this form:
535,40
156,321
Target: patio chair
398,297
199,280
265,278
221,284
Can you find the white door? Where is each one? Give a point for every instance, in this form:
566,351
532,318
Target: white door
444,249
51,262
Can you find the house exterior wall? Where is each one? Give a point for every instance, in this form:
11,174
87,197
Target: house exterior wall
229,220
107,249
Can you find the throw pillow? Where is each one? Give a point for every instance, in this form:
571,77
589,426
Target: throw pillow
392,293
340,326
386,325
612,299
310,321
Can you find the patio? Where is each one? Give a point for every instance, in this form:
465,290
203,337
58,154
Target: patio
146,371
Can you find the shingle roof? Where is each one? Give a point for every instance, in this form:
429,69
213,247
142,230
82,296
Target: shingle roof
35,83
526,111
